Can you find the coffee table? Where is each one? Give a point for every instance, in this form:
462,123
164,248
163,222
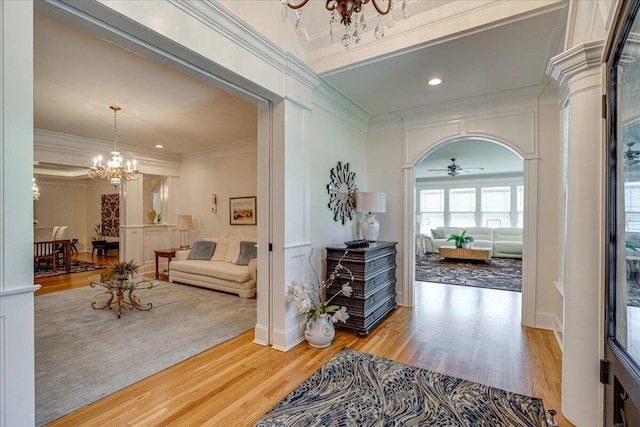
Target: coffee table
117,289
475,254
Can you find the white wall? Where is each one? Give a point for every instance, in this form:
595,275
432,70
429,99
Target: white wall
226,173
63,202
333,140
75,204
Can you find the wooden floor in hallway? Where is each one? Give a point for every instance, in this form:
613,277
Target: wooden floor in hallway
467,332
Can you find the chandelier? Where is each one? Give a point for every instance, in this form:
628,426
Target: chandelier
351,14
115,170
35,190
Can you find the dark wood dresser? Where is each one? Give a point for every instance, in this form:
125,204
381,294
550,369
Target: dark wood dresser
374,287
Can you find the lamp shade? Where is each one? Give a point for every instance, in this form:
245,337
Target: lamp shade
372,202
185,222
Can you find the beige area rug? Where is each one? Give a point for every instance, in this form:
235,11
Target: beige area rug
84,354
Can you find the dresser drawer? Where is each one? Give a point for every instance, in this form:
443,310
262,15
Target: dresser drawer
362,289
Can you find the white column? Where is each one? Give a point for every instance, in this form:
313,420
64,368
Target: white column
291,213
579,69
17,390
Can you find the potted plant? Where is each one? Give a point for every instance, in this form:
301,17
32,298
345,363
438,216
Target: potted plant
467,243
458,238
123,270
311,299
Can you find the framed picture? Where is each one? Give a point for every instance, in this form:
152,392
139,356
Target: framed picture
242,210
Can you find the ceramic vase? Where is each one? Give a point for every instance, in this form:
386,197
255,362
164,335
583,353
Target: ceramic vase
467,245
320,332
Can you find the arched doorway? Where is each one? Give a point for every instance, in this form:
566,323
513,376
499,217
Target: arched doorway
418,146
475,186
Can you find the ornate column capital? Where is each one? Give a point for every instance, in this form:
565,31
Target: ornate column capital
576,60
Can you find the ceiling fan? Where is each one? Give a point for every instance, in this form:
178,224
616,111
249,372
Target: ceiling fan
631,157
454,169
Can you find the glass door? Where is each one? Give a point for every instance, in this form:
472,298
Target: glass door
621,370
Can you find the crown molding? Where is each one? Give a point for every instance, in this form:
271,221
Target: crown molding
221,20
340,106
575,60
522,99
237,148
79,151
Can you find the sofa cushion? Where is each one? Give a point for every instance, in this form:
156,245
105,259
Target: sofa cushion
248,251
233,250
512,234
222,270
480,233
437,233
222,244
202,250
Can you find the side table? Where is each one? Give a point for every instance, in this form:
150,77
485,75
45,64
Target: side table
165,253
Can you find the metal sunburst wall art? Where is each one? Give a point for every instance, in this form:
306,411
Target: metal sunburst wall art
342,192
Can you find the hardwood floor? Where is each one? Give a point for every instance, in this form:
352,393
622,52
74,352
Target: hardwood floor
466,332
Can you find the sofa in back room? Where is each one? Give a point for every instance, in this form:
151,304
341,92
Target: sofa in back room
229,267
505,242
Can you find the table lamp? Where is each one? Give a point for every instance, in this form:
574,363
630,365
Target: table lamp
185,223
370,204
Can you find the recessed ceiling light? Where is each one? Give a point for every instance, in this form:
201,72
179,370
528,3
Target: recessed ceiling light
434,82
159,146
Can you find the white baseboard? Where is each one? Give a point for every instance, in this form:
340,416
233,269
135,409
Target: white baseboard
550,322
286,340
261,335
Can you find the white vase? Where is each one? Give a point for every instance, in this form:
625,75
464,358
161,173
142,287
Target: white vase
467,245
320,332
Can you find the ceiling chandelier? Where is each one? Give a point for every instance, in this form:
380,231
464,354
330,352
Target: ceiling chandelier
115,170
351,14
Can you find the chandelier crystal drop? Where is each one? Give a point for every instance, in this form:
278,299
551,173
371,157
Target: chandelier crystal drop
115,169
347,12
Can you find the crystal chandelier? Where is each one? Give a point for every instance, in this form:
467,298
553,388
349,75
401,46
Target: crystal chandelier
35,190
351,14
115,170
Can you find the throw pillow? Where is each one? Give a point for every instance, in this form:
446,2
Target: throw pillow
233,250
202,250
221,249
437,234
248,251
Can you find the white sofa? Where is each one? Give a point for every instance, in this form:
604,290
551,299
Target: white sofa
222,272
504,242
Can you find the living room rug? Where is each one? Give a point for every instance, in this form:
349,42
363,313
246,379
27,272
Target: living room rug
360,389
84,354
502,273
76,267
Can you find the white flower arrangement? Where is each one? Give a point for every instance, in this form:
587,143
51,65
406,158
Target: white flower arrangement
311,299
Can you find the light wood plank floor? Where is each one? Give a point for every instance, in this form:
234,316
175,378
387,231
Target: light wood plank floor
461,331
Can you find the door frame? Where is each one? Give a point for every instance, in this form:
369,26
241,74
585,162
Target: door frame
619,372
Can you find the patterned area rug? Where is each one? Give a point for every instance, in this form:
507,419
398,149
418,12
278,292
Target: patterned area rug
360,389
76,267
501,273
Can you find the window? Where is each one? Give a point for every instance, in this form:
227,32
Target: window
431,209
462,207
495,203
520,205
632,205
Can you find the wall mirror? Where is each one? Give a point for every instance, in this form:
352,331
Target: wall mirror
154,188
